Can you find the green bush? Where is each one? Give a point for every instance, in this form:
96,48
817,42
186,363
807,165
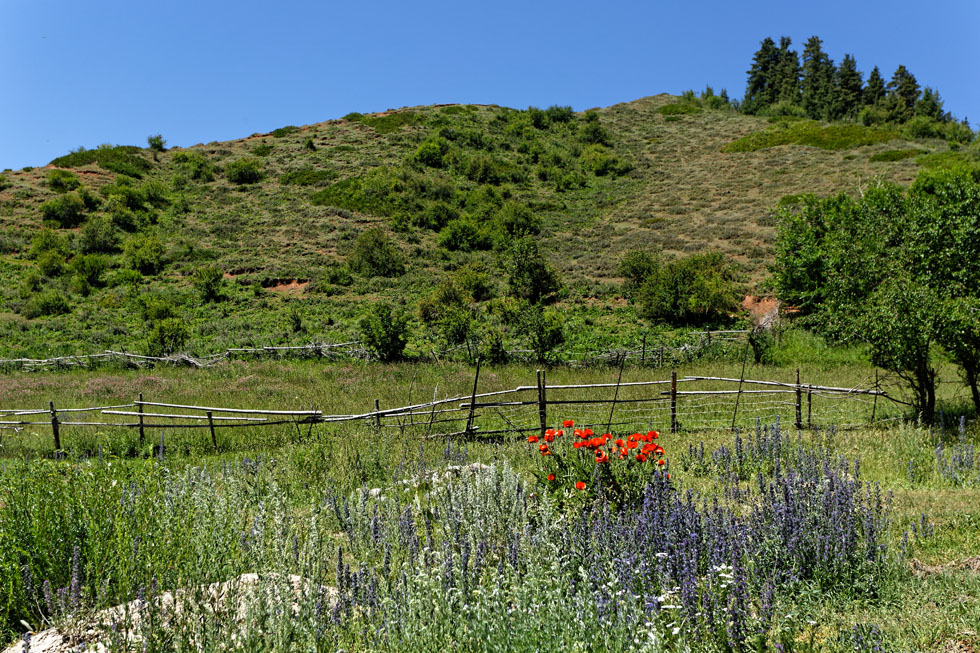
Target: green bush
435,216
51,263
810,132
5,183
123,159
464,235
62,181
475,281
46,302
156,143
87,272
430,152
98,235
557,114
30,284
391,122
208,281
244,171
530,276
602,162
49,240
635,267
144,254
167,336
700,289
543,329
894,155
682,107
263,150
282,132
592,132
308,176
384,332
375,255
516,219
195,165
124,277
493,348
66,211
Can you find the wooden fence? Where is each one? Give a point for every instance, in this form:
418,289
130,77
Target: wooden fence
670,404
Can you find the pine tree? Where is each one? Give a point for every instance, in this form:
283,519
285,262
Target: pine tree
874,93
817,85
847,89
930,105
903,93
759,92
787,76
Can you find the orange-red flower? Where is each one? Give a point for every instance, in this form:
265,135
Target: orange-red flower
532,439
580,485
588,432
660,462
640,457
559,433
620,443
551,477
549,437
568,424
649,448
653,434
631,445
578,444
579,433
601,456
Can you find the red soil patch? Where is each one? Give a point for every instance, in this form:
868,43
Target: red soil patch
760,308
292,285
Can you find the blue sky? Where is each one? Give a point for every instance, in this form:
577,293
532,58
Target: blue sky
85,73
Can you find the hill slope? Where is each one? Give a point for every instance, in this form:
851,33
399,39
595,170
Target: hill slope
280,213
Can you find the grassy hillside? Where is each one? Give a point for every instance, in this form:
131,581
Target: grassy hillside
252,242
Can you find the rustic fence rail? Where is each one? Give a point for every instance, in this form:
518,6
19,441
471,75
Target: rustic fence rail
674,404
657,354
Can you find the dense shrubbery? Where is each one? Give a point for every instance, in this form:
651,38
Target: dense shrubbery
62,181
375,254
46,302
66,211
307,176
209,281
244,171
384,331
144,253
195,165
123,159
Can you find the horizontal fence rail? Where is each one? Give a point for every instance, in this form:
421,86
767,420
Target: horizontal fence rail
675,405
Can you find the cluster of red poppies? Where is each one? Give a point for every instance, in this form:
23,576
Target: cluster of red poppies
641,447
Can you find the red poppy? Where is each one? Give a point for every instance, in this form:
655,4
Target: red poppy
549,437
568,424
532,439
601,456
631,445
549,431
578,444
580,485
587,432
551,477
654,434
649,448
660,462
559,433
620,443
640,457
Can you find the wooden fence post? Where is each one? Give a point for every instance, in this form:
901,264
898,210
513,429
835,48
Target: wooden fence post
874,406
673,401
660,363
140,410
214,438
476,379
377,413
809,407
799,401
643,356
55,429
542,402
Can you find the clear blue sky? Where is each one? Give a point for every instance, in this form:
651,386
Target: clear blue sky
85,73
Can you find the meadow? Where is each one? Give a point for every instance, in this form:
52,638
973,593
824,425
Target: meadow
823,539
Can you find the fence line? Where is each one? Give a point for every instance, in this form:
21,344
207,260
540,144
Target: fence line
637,405
656,355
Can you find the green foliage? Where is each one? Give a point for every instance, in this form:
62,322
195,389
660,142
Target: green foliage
808,132
529,275
66,211
49,240
51,263
375,254
592,132
635,267
45,303
600,161
282,132
166,336
263,150
87,272
209,280
307,176
431,151
244,171
98,235
682,107
474,279
5,183
391,122
62,181
544,329
195,165
123,159
384,331
144,253
893,155
156,143
517,219
464,235
697,290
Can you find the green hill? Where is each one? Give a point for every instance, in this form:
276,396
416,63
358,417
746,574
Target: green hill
256,241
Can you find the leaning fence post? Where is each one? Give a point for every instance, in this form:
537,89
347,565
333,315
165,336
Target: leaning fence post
542,402
139,409
214,438
476,379
799,401
377,414
55,429
673,401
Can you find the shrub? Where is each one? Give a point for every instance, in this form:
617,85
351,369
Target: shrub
922,127
46,302
635,266
166,337
556,113
156,143
475,281
30,284
282,132
5,183
384,331
308,176
62,181
87,271
464,235
431,151
435,216
124,277
492,347
51,263
682,107
894,155
123,159
529,275
601,162
516,219
697,290
810,132
195,165
66,211
48,240
592,132
98,235
244,171
144,254
375,255
544,330
208,281
262,150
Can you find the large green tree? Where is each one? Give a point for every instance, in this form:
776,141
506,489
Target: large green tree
760,89
847,89
817,85
903,93
874,92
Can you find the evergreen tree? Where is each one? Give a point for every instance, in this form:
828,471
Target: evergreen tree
818,80
874,93
930,105
847,89
787,76
903,93
759,92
